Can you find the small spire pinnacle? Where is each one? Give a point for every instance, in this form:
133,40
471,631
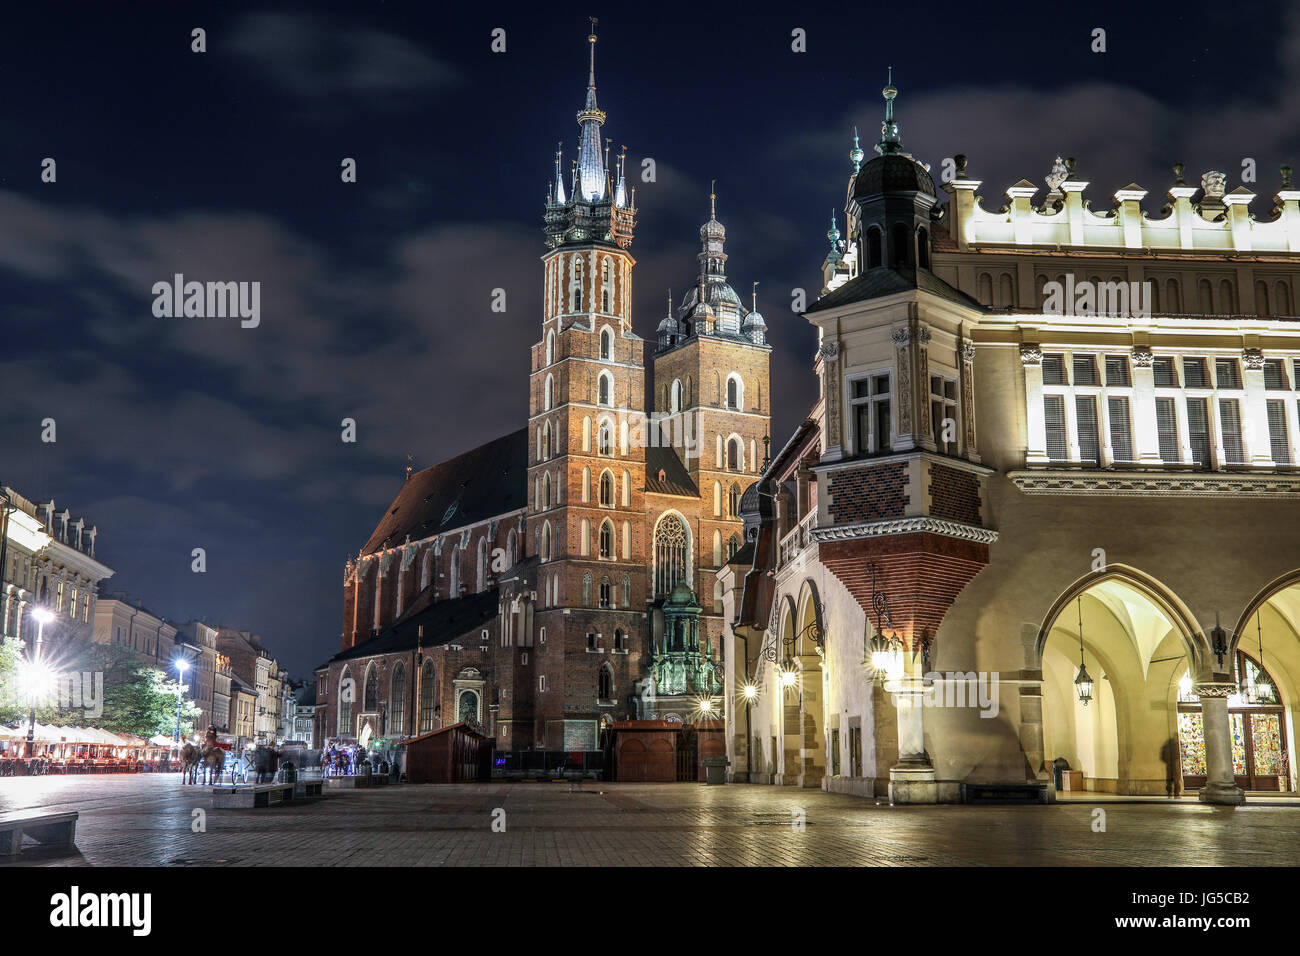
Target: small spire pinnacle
889,141
856,153
713,199
591,38
559,177
833,234
753,297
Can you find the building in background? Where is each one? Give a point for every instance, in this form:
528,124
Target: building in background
122,621
221,693
48,560
197,642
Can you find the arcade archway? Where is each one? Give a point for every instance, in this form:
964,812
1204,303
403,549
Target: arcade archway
1135,642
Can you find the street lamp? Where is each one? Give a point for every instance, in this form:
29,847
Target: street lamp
181,666
37,676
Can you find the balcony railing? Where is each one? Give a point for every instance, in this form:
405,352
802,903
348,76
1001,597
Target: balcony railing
799,537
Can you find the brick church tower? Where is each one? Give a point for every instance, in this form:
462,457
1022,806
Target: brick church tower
586,515
712,391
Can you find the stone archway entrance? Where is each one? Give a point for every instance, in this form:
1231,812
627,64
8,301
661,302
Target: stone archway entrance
1135,645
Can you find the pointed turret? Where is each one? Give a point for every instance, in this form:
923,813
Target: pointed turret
591,165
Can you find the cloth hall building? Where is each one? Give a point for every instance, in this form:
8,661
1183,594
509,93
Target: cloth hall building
1038,534
565,576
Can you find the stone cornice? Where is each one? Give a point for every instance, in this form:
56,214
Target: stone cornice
1147,483
872,529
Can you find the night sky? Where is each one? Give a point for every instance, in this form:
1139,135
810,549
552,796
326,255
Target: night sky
176,433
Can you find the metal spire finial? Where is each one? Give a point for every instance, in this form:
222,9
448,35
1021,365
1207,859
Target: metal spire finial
856,153
753,297
889,141
713,199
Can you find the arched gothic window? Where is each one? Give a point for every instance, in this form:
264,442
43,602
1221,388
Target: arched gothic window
397,701
606,689
586,589
733,454
575,286
607,342
606,489
605,390
605,439
428,698
670,553
733,501
345,705
370,703
733,393
606,592
607,539
733,545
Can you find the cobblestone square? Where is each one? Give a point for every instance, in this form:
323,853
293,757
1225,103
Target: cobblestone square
146,820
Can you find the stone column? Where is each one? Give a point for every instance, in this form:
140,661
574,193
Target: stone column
1220,786
829,352
1146,441
967,352
912,779
1031,357
1254,410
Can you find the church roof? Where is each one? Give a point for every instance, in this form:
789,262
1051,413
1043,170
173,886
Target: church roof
479,484
676,481
881,281
443,622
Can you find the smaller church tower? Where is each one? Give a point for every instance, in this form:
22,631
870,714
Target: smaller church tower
711,373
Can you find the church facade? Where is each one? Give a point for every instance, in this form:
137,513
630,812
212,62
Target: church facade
1037,536
566,576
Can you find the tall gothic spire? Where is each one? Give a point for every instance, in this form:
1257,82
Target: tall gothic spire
889,141
592,177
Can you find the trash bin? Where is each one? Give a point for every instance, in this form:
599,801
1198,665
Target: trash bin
1059,766
715,770
288,773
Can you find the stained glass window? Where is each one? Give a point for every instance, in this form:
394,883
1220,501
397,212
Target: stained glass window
1191,744
1266,737
1236,725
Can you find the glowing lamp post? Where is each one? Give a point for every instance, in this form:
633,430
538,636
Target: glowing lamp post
37,676
181,666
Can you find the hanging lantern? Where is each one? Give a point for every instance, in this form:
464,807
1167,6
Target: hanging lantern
1260,691
1082,681
886,656
788,674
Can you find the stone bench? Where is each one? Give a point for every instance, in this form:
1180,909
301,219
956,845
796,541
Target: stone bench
41,827
251,795
1004,793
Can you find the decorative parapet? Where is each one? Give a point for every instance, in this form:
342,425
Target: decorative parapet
872,529
1221,222
1146,483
